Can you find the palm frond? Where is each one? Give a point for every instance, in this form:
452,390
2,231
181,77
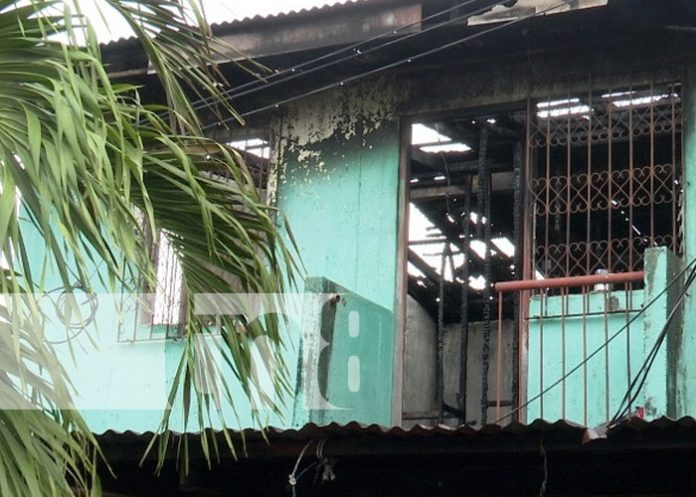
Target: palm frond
85,156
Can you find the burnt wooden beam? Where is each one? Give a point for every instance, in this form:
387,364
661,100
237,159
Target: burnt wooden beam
500,183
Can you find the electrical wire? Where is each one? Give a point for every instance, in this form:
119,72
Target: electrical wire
642,374
76,327
294,72
385,67
601,347
292,478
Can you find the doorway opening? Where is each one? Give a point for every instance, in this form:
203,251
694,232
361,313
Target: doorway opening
465,215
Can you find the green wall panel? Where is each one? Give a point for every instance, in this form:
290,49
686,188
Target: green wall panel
340,196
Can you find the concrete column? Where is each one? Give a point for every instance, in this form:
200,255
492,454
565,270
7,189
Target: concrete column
658,393
684,351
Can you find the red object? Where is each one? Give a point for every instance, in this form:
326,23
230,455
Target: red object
569,282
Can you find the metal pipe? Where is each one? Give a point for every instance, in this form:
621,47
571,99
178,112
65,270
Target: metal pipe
570,282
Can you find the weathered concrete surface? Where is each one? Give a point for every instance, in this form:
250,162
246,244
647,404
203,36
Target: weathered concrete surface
419,360
475,366
685,350
659,393
346,361
337,183
420,366
336,180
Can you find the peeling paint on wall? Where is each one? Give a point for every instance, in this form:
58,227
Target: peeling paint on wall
337,182
331,120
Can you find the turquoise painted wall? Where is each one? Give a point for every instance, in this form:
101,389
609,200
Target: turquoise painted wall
120,384
346,369
339,190
685,350
636,318
582,337
340,196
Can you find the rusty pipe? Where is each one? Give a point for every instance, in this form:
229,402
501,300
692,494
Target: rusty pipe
569,282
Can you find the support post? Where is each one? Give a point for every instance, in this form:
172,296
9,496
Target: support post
685,371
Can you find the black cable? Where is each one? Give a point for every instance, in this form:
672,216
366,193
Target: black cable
292,71
391,65
642,374
601,347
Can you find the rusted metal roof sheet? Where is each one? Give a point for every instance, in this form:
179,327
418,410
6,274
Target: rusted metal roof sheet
311,430
330,25
496,14
638,425
357,440
287,13
352,429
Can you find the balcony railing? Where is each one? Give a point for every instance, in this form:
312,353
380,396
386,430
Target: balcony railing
564,321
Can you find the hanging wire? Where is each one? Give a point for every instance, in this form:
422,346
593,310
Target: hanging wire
294,477
392,65
642,375
353,50
599,349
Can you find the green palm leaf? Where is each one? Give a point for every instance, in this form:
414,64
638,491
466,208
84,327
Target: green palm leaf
85,156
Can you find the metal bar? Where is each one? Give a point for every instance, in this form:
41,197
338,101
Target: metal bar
464,310
585,308
672,98
652,163
570,282
439,366
485,191
564,311
527,259
628,289
580,314
631,181
430,241
529,253
569,159
588,216
499,356
542,295
547,199
606,354
518,221
610,167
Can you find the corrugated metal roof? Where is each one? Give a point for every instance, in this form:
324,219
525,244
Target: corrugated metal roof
312,430
496,14
355,429
221,25
286,13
